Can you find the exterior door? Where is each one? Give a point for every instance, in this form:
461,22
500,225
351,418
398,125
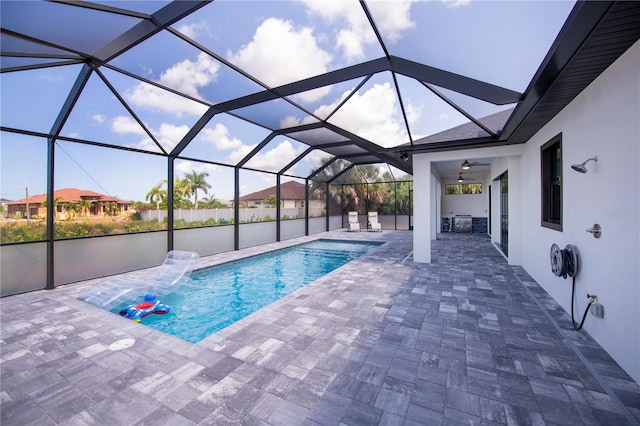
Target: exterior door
504,213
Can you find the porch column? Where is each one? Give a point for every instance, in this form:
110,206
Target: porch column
422,208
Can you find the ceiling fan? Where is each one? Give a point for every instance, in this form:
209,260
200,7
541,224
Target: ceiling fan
466,165
461,179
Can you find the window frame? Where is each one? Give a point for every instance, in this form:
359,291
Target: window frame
460,186
551,176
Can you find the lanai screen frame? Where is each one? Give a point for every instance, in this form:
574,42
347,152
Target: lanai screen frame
584,16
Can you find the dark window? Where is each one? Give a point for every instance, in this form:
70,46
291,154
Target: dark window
551,167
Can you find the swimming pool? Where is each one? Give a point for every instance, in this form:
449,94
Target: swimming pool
218,296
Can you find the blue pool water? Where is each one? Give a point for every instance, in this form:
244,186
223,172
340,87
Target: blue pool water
216,297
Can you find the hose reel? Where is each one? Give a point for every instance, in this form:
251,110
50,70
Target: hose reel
564,262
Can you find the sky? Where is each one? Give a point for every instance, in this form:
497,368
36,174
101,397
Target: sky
276,42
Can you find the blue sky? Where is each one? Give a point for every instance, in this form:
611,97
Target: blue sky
500,42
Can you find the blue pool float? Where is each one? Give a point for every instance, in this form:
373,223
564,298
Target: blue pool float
151,305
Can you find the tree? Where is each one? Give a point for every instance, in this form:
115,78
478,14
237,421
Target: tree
376,191
270,201
210,203
56,201
73,209
196,181
157,194
111,209
181,192
318,184
84,206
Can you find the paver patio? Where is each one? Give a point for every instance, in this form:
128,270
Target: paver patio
467,339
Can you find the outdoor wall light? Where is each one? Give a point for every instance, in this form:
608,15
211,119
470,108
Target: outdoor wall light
581,167
404,156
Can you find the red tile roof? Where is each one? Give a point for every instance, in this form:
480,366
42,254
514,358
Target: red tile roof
71,195
291,190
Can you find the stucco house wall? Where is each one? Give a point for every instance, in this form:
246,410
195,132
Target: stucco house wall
602,121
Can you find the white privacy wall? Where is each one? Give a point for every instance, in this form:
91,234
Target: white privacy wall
602,121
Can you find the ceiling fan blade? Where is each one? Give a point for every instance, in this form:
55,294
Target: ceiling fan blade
466,164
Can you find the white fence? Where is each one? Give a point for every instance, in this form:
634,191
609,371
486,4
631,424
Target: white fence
226,215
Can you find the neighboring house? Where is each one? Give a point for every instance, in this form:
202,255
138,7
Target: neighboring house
5,207
292,195
96,204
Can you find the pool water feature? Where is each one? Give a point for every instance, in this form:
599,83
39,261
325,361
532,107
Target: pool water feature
218,296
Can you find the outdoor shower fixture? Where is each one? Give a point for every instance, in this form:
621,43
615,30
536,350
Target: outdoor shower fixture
581,167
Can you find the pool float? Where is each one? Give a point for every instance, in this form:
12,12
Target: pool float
151,305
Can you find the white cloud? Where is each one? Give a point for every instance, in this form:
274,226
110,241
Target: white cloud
99,118
147,144
146,96
183,167
351,44
413,112
169,135
276,158
373,115
219,136
126,125
392,18
240,153
316,156
456,3
193,30
186,76
444,116
297,56
358,31
289,121
292,121
123,125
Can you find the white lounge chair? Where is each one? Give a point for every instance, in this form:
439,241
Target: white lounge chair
354,224
176,268
374,225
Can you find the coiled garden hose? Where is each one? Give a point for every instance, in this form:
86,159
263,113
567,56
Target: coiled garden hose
584,316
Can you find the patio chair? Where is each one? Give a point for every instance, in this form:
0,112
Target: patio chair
354,224
374,225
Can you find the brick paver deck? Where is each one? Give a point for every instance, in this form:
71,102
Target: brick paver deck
467,339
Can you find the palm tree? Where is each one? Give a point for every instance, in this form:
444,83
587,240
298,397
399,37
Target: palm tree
181,191
157,194
84,206
111,209
375,191
318,187
56,201
72,209
197,181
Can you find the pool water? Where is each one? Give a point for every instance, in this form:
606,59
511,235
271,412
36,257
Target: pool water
216,297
